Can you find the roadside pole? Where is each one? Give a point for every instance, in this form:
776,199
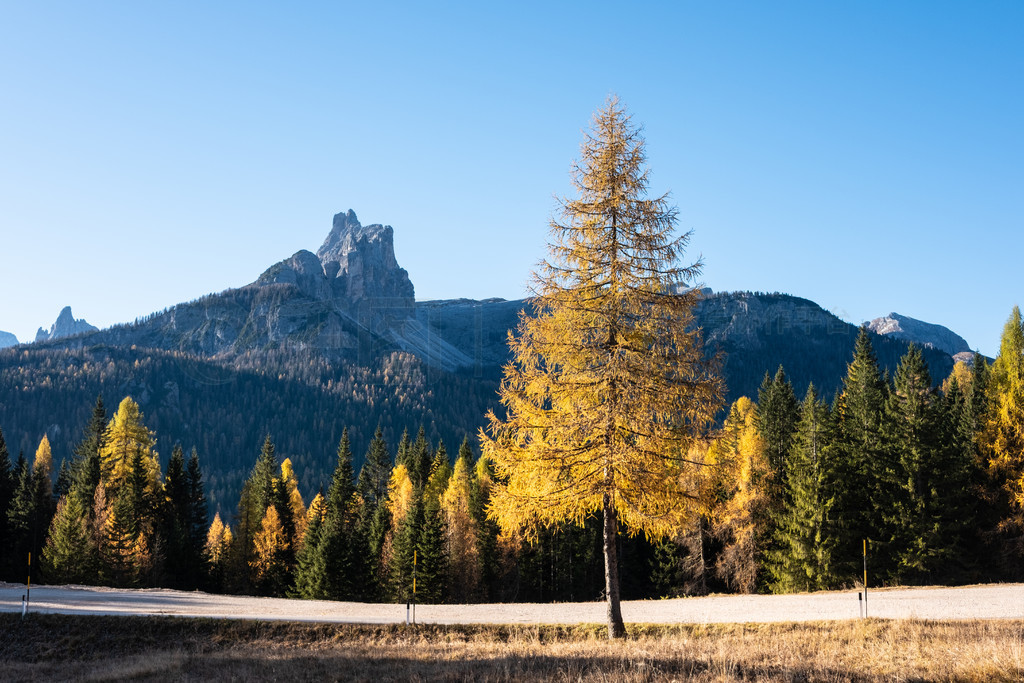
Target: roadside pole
865,578
28,587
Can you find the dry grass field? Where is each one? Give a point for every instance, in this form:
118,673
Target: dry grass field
98,648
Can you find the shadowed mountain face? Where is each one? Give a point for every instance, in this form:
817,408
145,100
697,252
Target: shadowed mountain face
64,326
7,339
333,339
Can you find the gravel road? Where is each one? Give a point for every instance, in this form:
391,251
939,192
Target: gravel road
1002,601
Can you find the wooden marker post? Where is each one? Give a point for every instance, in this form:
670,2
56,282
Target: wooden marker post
865,578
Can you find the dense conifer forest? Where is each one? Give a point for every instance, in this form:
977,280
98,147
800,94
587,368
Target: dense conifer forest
224,408
930,470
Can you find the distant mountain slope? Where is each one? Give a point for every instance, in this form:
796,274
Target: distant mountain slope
225,407
758,332
7,339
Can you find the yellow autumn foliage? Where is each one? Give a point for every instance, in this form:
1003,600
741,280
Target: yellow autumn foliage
218,539
400,495
741,522
1003,433
43,463
608,386
295,504
460,534
269,545
126,437
961,373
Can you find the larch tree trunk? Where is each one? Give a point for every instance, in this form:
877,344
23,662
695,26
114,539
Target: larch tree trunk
616,628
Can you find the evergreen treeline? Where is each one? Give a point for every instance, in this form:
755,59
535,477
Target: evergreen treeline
224,407
932,480
932,477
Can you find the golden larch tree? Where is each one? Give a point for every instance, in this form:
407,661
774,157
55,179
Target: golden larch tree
461,534
43,464
608,383
295,504
126,438
400,495
269,547
1002,437
218,539
742,523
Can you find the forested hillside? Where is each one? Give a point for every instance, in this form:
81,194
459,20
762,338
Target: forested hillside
224,405
930,478
225,409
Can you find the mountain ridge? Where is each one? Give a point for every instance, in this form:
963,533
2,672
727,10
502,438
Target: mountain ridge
921,333
321,341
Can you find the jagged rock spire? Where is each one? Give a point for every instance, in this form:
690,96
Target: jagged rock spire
65,326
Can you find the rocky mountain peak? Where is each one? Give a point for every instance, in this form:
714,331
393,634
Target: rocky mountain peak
360,261
7,339
355,267
65,326
921,333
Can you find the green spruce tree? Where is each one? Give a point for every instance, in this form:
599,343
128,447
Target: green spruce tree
69,555
437,479
85,468
341,546
195,522
914,516
864,463
777,412
804,544
310,573
420,459
20,520
405,543
431,560
8,483
257,494
376,470
63,485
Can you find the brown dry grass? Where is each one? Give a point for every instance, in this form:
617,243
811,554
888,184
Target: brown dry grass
53,647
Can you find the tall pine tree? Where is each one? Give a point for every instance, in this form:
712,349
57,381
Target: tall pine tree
69,555
85,469
8,483
802,556
257,494
342,548
864,463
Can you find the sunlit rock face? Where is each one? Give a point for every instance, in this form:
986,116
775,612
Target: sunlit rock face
921,333
360,263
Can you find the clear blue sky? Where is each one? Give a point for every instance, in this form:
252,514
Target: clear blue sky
866,155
